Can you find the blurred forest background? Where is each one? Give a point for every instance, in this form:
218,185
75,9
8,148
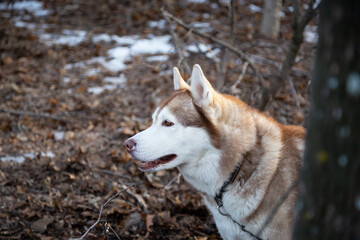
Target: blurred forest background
78,77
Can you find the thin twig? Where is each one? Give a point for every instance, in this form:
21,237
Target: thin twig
109,226
293,92
175,179
223,67
299,24
208,50
177,44
241,76
137,197
100,213
232,48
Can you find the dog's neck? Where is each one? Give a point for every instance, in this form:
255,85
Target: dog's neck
214,166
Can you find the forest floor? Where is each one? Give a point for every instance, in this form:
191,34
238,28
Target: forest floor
78,77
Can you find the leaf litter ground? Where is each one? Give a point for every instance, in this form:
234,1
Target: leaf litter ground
78,78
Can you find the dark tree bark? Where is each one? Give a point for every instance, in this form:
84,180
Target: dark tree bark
329,193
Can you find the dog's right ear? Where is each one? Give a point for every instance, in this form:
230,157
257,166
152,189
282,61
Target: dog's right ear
179,82
201,89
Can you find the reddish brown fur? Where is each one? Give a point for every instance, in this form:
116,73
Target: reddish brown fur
190,115
239,130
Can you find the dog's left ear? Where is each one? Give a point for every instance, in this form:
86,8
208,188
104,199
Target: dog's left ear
200,88
179,82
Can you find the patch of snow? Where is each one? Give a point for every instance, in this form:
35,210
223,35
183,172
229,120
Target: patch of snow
116,80
159,58
194,48
206,15
200,24
66,79
156,44
119,55
35,7
21,24
59,135
47,154
67,37
157,24
18,159
92,72
310,34
75,65
125,40
42,12
167,72
98,90
102,37
254,8
210,53
29,155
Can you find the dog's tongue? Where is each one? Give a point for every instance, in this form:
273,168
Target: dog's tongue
148,165
153,164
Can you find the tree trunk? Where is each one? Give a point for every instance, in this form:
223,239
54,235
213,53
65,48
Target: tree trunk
329,194
270,25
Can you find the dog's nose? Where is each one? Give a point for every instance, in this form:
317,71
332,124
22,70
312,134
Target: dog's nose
130,145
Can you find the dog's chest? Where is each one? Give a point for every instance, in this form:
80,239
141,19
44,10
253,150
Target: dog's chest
228,229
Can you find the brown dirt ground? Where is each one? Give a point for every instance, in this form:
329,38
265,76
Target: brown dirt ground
60,197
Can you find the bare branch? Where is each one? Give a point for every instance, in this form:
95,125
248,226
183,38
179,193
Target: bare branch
208,50
108,226
299,24
223,67
293,92
296,14
177,44
100,213
235,50
241,76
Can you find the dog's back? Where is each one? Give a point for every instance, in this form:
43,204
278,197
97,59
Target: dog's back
263,196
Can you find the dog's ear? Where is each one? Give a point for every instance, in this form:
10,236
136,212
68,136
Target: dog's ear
200,88
179,82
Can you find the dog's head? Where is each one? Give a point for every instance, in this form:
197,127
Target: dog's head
182,129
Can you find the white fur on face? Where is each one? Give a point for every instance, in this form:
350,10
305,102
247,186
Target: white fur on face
188,143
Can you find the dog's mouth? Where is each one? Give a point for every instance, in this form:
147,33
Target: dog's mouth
157,162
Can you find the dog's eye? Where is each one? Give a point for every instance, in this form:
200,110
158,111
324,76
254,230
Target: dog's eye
166,123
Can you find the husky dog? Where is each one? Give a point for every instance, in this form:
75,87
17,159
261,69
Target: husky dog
243,162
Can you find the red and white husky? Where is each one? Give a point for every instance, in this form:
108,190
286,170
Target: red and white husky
242,161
